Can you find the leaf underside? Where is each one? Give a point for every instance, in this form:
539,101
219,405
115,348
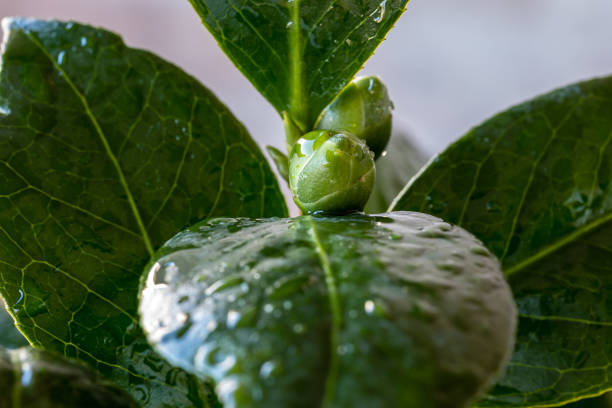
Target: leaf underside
535,185
105,152
353,311
299,53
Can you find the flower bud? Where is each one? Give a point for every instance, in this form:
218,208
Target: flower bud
331,171
363,108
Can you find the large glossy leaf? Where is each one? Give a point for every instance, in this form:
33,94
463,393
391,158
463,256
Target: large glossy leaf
105,153
397,310
299,53
535,185
10,337
38,379
394,169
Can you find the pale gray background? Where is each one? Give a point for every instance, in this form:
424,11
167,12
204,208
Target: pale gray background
449,64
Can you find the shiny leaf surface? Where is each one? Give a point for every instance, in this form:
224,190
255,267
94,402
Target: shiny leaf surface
535,185
299,54
105,152
396,310
38,379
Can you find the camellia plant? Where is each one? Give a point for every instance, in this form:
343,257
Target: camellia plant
147,257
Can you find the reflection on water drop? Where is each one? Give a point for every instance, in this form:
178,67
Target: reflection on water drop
233,317
267,369
268,308
369,307
61,57
383,8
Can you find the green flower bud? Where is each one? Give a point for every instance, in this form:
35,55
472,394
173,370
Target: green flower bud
331,171
363,108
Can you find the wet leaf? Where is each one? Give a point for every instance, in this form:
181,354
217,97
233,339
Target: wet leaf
396,310
299,54
105,153
535,185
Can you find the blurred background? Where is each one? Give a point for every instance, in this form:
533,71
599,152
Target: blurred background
448,64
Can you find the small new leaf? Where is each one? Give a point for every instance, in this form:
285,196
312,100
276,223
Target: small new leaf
299,53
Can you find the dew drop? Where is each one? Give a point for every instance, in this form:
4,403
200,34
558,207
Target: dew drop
233,317
267,369
369,307
383,8
268,308
61,57
299,328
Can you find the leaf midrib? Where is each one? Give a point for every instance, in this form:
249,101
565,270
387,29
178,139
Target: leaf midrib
104,141
334,303
574,236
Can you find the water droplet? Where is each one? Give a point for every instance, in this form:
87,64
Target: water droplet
299,328
374,308
383,154
383,8
83,41
369,307
267,369
233,317
61,57
268,308
226,388
289,24
287,305
164,274
211,326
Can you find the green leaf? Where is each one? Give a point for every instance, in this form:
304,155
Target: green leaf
10,337
38,379
299,54
105,152
280,160
397,310
535,185
603,401
393,170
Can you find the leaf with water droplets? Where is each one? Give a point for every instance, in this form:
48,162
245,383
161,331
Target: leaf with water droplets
535,185
105,153
38,379
299,54
329,311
